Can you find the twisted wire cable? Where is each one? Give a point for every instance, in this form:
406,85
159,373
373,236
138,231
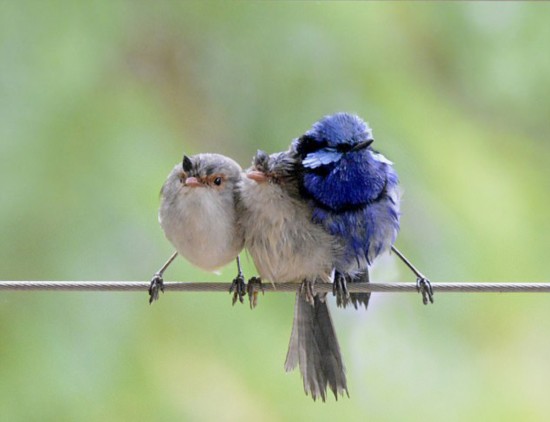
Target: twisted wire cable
143,286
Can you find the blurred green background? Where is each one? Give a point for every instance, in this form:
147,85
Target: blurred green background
99,101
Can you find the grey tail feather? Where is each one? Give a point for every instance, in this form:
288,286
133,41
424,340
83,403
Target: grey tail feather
314,348
358,299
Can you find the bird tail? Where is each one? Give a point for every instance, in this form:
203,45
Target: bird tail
314,348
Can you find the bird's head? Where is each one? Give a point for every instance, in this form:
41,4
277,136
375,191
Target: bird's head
212,172
278,168
331,138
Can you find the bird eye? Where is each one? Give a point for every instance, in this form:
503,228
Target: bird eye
218,181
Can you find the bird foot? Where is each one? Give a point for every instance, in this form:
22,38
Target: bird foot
340,290
254,286
307,289
157,284
424,287
238,288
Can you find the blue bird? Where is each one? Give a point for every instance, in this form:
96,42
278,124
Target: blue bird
354,194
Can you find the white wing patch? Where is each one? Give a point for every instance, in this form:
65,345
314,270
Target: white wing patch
379,157
320,158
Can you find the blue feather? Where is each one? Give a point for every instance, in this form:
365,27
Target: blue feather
353,181
340,128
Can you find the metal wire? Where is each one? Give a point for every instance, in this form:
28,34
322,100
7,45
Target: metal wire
143,286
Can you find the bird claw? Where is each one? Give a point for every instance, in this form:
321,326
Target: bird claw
340,290
424,287
254,286
157,284
238,288
307,289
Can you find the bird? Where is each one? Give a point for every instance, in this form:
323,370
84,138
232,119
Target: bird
198,214
354,195
287,246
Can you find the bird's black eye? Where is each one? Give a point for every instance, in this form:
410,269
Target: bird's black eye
218,181
344,147
308,143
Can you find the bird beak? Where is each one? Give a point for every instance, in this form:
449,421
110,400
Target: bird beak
257,176
192,182
362,145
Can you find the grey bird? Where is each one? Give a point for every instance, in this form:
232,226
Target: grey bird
287,246
198,215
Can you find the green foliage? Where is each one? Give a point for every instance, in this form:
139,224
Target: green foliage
97,103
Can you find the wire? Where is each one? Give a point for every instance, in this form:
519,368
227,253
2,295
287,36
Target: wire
143,286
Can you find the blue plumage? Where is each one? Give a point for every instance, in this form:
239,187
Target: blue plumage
353,189
340,129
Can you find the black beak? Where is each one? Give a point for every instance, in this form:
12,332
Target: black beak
362,145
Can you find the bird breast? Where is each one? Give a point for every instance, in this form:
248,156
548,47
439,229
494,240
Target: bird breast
201,224
279,235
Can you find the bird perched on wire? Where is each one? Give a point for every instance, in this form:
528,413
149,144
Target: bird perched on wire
198,215
353,192
287,246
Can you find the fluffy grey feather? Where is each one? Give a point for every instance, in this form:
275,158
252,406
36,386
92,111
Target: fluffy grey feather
287,246
200,219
